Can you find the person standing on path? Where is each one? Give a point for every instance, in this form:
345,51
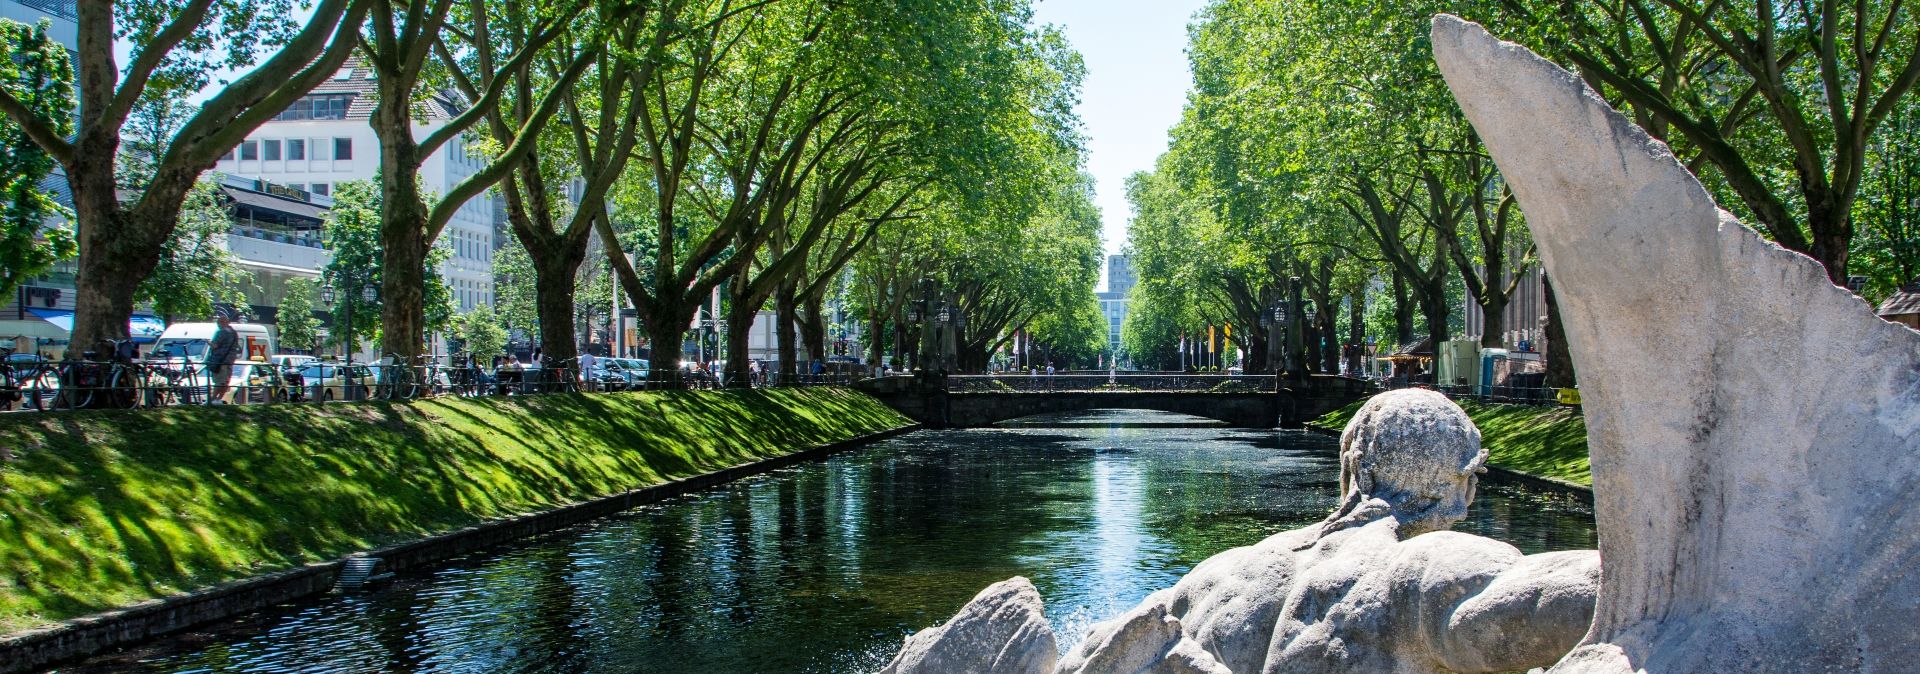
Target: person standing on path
220,356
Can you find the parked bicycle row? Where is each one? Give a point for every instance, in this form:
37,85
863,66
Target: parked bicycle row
31,383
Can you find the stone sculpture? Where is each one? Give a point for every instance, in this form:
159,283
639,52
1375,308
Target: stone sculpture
1758,490
1379,586
1003,629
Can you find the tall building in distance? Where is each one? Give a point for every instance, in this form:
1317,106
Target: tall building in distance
63,14
1113,300
325,138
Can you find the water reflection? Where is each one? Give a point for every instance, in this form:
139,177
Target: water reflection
824,567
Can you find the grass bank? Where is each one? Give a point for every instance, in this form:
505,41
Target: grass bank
103,509
1544,441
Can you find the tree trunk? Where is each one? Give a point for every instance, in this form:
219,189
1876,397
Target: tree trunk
1330,342
813,328
1356,331
740,316
553,298
114,256
667,329
876,348
785,314
1560,372
403,227
1433,306
1402,311
1832,231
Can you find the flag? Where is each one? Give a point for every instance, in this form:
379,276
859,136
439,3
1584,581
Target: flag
1229,329
1209,339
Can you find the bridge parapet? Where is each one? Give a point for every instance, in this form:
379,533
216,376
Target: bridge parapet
1110,383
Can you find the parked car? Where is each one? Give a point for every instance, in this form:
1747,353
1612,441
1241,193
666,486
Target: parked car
616,374
326,381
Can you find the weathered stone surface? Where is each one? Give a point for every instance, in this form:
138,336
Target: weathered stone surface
1755,431
1376,587
1003,630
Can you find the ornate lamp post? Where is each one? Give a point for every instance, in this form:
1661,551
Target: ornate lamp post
1307,331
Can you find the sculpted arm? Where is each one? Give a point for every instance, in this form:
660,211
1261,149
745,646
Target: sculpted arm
1529,616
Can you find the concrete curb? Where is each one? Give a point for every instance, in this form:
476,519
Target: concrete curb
77,638
1540,482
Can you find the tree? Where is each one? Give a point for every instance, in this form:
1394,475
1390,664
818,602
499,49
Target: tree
195,271
353,232
298,326
481,332
32,238
1785,99
463,41
181,44
551,216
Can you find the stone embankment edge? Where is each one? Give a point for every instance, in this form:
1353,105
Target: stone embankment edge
1541,482
76,638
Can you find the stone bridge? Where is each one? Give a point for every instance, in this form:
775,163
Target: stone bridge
967,401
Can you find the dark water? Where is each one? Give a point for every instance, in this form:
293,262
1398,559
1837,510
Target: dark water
825,567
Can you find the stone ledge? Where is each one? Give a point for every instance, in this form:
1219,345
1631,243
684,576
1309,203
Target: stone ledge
76,638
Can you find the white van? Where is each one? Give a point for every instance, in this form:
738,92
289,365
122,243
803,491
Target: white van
190,341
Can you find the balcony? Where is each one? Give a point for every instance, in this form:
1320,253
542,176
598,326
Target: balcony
66,9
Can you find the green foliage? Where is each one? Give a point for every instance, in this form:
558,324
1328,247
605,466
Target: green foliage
103,509
482,334
196,271
299,329
353,234
32,239
513,290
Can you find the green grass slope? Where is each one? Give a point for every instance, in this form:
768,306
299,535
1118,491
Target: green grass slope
103,509
1544,441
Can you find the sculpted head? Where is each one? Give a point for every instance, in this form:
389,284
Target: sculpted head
1412,455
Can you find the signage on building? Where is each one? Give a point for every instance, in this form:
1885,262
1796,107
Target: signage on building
283,191
44,297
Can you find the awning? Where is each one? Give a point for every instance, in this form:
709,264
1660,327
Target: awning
269,202
143,329
30,328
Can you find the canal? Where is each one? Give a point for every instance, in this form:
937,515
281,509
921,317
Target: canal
824,567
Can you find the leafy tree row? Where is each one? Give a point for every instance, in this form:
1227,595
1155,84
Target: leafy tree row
758,148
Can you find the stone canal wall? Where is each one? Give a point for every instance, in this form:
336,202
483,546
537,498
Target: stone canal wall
117,526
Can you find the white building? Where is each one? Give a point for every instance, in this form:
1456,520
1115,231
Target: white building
1113,301
324,139
64,15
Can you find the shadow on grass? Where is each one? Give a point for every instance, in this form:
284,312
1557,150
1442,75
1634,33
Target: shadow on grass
104,508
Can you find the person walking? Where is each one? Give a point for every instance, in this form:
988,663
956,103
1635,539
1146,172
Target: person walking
587,361
221,353
1049,375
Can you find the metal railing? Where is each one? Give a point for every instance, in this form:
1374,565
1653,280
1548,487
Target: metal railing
1192,383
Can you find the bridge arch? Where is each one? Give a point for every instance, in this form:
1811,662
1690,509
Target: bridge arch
1243,410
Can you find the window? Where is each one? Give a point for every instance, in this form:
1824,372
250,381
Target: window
317,106
228,156
272,149
296,149
344,74
321,150
342,148
249,150
319,188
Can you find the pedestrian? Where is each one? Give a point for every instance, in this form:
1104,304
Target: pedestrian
221,353
1049,374
586,369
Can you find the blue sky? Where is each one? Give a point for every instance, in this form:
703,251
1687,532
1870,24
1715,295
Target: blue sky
1137,81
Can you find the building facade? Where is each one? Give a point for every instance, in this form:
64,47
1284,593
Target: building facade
1113,300
325,138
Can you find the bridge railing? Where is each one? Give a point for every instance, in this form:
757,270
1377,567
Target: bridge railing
1117,383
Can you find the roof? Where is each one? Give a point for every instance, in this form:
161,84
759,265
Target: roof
359,81
1424,347
1904,302
275,203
